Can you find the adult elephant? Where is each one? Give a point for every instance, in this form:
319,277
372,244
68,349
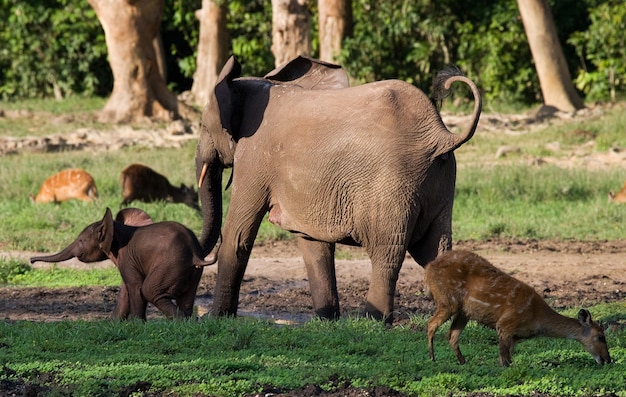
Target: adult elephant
371,165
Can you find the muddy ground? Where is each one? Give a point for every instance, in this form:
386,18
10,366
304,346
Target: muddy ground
566,273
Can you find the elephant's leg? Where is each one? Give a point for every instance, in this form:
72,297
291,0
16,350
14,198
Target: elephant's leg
164,303
240,229
319,258
186,298
386,260
155,289
437,240
122,307
137,301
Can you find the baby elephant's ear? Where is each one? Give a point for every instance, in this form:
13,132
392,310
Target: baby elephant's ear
105,232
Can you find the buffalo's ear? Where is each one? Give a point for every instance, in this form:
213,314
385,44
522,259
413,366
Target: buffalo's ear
105,232
223,91
310,74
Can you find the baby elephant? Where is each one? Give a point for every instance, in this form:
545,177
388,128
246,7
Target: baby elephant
467,287
159,263
145,184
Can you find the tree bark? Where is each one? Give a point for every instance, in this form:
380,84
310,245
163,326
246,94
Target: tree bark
290,30
139,90
554,77
335,23
212,49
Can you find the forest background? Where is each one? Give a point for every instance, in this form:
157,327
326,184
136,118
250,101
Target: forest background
56,48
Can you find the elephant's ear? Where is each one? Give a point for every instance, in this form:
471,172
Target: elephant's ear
310,74
223,91
105,232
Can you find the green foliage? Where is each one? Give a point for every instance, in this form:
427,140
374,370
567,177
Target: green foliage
57,47
12,268
494,52
603,44
225,357
408,39
51,48
250,29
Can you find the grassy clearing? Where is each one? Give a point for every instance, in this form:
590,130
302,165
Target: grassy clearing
503,197
226,357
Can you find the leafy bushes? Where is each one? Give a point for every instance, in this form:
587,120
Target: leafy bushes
51,48
604,46
11,268
57,48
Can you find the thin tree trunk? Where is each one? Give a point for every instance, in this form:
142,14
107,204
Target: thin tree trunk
290,30
159,51
335,23
212,49
139,90
554,77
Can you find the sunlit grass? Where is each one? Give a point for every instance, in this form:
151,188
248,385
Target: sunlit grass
225,357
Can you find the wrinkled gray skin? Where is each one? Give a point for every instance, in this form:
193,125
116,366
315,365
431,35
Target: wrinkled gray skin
371,165
159,262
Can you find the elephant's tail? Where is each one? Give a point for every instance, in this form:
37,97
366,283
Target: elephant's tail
441,89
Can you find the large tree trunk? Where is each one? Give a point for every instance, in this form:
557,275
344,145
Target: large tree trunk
290,30
139,90
212,49
335,23
554,77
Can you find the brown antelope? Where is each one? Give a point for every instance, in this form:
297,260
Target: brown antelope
142,183
619,197
467,287
67,185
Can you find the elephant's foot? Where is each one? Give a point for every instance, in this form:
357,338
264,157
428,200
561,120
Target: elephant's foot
328,313
371,311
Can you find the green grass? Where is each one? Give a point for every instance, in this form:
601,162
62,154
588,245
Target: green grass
542,203
495,197
226,357
15,273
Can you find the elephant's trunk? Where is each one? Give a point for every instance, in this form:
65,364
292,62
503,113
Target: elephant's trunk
210,191
66,254
441,89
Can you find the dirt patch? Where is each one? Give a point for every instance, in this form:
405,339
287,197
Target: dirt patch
566,273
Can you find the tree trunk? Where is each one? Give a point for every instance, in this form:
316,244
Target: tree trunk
335,23
139,90
554,77
159,51
290,30
212,49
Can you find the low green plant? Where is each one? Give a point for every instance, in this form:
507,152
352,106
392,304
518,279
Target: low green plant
57,277
224,357
11,268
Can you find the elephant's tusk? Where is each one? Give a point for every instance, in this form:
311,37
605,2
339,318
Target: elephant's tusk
205,166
